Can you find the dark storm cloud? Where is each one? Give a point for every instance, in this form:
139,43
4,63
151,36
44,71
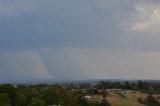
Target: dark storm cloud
61,23
115,37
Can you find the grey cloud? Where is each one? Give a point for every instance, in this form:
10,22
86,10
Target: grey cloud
79,63
66,29
60,23
83,63
74,24
22,65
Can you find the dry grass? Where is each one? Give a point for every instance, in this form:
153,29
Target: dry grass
117,100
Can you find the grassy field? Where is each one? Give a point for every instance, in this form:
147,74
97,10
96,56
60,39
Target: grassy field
123,99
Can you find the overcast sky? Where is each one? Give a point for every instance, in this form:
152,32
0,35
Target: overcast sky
79,39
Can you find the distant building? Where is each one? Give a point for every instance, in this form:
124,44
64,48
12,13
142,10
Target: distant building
87,97
120,91
15,86
151,88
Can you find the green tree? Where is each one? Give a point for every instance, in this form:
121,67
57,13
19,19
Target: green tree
21,100
10,91
4,100
50,96
151,101
37,102
104,103
140,85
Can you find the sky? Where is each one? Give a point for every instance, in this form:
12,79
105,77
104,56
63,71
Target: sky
79,39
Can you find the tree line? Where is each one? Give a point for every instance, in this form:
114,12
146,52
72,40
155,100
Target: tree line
43,95
63,95
143,86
